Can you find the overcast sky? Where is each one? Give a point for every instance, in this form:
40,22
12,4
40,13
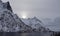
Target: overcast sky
39,8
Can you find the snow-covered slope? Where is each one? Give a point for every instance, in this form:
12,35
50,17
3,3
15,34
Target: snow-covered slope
10,22
35,23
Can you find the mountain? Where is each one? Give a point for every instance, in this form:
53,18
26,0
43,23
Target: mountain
10,22
35,23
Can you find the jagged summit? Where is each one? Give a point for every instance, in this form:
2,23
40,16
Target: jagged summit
7,5
37,19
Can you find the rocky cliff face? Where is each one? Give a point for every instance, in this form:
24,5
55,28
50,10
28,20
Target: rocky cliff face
10,22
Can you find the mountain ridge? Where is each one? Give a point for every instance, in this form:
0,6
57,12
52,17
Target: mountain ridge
35,23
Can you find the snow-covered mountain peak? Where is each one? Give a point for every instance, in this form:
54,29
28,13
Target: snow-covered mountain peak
36,19
10,22
5,6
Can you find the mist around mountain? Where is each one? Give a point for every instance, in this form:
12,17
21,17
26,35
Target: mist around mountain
52,24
